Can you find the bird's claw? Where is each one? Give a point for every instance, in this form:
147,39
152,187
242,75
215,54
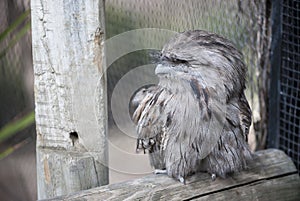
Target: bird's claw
159,171
213,177
181,179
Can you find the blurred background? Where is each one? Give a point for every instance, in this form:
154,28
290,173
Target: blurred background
17,129
246,23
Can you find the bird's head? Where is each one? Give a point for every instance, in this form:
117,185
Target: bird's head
207,57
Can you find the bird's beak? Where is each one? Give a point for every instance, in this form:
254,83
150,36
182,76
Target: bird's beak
162,69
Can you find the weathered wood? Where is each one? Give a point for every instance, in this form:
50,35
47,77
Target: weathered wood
271,176
282,188
70,95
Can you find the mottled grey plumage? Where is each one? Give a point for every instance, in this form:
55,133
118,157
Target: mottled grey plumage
201,88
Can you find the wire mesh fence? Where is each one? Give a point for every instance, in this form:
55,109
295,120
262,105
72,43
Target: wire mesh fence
289,106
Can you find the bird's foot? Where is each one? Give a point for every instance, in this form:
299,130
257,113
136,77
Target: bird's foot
213,177
159,171
181,179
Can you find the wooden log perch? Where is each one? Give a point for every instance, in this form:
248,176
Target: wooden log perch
271,176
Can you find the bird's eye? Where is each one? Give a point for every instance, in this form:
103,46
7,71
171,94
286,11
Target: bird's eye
173,60
178,61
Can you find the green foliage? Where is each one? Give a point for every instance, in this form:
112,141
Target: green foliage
21,19
12,128
11,85
14,25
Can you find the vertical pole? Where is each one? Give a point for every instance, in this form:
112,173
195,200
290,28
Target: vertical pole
274,91
70,95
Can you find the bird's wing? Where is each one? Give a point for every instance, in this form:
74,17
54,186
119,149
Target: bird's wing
138,97
245,115
150,120
232,151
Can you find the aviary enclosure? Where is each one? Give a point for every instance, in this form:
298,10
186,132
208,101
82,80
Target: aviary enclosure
85,64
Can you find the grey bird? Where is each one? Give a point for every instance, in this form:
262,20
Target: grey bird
197,117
